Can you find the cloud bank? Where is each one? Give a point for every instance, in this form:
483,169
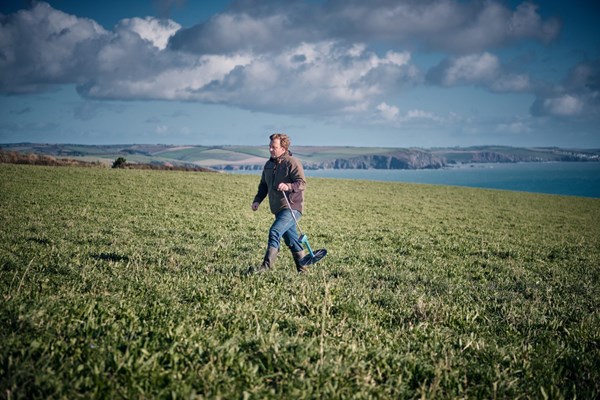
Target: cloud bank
290,57
446,25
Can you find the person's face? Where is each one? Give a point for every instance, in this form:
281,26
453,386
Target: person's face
275,148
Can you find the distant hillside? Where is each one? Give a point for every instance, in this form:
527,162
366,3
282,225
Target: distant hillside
313,157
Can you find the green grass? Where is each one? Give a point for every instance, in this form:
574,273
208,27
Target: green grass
130,284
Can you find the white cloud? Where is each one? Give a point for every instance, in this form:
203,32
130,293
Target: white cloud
388,112
471,69
421,114
286,57
483,69
158,32
132,63
320,77
44,46
565,106
398,58
526,22
174,77
257,28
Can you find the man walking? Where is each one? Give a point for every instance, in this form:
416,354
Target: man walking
282,173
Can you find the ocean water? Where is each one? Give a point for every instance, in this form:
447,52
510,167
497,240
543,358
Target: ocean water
563,178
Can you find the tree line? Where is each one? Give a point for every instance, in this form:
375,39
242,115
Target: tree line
15,157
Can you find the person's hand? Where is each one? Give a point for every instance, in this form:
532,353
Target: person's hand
255,206
283,187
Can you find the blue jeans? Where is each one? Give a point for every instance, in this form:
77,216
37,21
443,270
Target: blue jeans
285,226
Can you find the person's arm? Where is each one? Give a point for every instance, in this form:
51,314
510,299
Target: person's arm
297,177
261,192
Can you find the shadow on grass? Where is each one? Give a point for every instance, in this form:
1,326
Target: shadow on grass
109,257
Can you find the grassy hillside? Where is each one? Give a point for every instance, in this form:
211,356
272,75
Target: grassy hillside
127,283
223,157
201,155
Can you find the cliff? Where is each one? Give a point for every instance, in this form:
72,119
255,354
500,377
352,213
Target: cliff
414,159
313,157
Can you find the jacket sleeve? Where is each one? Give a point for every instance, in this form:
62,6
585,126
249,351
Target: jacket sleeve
297,177
262,189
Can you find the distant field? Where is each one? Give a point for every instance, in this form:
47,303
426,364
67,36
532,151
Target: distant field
319,154
130,284
224,157
228,154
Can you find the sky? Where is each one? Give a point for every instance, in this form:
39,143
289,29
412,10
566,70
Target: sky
412,73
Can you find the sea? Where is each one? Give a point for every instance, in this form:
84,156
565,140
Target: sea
562,178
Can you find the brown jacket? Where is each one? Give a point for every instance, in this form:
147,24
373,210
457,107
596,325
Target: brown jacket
285,169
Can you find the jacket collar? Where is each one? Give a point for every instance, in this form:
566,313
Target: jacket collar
281,158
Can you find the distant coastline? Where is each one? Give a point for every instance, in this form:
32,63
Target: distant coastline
232,158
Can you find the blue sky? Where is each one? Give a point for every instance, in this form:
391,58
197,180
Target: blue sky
387,73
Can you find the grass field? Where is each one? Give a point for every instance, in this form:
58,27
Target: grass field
130,284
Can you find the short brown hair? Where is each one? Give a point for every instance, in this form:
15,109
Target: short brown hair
284,139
